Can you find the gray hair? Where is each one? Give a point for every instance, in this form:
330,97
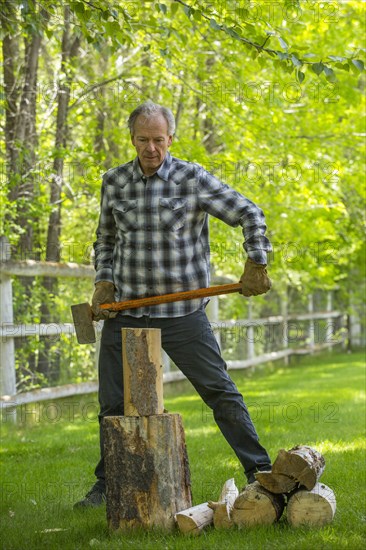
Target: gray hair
149,109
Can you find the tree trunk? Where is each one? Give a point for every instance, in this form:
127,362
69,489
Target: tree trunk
147,471
10,54
49,363
257,506
21,139
313,508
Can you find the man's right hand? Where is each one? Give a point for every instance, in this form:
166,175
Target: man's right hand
103,294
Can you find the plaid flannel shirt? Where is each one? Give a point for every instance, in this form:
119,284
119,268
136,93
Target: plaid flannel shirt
153,237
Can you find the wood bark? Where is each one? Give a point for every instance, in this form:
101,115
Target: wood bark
142,372
69,50
313,508
222,509
257,506
10,49
147,471
301,465
20,84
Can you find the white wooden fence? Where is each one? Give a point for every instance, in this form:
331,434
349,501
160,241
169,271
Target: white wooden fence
9,330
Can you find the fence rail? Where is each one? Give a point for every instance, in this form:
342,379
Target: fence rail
9,330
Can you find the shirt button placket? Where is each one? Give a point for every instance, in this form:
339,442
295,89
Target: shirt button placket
148,240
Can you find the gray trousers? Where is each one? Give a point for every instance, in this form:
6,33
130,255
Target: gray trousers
191,344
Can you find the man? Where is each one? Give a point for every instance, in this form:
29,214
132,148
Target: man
152,238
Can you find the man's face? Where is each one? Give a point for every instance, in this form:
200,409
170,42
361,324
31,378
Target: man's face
151,140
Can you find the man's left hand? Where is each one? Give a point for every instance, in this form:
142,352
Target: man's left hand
255,279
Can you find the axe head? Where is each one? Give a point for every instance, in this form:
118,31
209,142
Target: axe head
83,321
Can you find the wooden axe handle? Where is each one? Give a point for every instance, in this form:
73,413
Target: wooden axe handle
175,297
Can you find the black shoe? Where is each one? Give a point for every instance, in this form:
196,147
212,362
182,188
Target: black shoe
94,498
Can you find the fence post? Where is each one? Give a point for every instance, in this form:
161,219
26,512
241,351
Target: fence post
284,313
311,323
7,356
330,323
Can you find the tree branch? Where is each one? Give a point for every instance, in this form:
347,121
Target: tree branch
100,85
258,47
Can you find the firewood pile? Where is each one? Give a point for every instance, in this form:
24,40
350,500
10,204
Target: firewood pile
293,483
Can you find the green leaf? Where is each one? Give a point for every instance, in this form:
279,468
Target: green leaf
163,8
188,11
78,7
342,66
296,61
249,27
317,68
329,74
283,56
197,15
282,43
233,33
300,76
359,64
337,58
174,8
215,25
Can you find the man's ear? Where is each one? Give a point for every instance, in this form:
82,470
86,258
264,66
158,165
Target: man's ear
132,139
170,140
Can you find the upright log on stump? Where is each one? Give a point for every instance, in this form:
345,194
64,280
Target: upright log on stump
147,470
142,372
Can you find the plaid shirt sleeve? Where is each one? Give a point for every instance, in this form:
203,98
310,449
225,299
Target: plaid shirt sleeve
226,204
106,236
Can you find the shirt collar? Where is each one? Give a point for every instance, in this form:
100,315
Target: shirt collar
163,171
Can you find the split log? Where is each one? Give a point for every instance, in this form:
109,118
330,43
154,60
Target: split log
147,471
222,508
301,465
276,483
142,372
314,508
257,506
193,520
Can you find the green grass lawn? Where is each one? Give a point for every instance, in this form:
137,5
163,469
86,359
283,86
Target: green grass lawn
48,457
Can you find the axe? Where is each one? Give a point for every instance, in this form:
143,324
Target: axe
83,316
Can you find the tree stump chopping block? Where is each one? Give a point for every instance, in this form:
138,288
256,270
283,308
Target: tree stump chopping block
147,471
146,461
